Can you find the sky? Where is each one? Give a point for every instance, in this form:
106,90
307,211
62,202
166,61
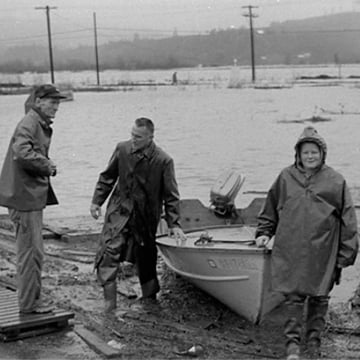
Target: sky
72,21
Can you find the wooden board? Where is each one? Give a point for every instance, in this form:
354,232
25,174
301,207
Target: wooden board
97,344
76,229
15,326
69,229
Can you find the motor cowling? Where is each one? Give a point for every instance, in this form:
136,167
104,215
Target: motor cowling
224,192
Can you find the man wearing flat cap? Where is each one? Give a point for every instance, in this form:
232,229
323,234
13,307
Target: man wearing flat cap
25,190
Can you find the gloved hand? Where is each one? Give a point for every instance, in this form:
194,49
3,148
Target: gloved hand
337,275
262,241
95,211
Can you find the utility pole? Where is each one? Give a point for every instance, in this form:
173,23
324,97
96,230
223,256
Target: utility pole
96,52
48,8
250,15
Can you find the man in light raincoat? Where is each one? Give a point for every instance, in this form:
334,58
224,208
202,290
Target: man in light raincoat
25,190
140,180
309,210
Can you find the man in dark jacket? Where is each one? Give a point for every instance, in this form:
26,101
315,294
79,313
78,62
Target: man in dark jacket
25,190
141,179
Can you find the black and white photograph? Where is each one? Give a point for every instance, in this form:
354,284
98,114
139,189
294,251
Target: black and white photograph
179,179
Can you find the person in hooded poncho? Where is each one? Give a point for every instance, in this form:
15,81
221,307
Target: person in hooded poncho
310,213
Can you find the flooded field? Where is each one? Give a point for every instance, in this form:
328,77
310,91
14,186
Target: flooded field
207,129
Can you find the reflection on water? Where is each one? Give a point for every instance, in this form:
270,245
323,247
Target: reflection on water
205,129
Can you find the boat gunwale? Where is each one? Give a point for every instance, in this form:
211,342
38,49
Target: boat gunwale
215,246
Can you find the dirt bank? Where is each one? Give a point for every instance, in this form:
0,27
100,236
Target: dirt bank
183,316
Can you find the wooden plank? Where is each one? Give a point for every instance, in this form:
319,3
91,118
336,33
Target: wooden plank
23,321
80,228
96,343
34,331
79,252
76,229
56,248
78,236
14,325
6,223
9,234
75,224
7,284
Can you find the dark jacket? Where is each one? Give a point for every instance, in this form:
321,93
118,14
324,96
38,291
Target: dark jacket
24,179
315,227
140,185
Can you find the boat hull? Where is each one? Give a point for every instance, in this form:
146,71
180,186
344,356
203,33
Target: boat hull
233,270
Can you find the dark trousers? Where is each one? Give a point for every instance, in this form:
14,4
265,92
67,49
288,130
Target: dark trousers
125,248
29,256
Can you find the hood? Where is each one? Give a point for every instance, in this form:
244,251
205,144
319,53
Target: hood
310,134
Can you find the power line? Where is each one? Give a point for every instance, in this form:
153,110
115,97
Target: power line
267,31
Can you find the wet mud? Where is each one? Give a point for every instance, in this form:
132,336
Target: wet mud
183,318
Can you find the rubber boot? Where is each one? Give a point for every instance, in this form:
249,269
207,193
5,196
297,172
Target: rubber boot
315,324
292,351
293,328
110,296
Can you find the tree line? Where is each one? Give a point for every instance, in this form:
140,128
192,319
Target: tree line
320,40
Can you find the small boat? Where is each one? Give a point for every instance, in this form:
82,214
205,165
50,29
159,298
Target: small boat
221,258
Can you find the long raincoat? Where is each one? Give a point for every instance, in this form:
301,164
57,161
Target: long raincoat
24,180
140,185
314,223
25,189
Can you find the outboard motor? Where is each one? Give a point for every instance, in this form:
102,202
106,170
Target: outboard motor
224,192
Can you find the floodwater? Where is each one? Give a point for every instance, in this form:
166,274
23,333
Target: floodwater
207,129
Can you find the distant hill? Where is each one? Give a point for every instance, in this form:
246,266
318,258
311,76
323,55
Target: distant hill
318,40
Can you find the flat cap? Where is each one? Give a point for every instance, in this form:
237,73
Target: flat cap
48,91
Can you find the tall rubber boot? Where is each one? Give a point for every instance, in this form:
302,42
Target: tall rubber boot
292,351
315,324
293,328
110,296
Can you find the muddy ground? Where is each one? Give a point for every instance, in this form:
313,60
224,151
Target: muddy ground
183,317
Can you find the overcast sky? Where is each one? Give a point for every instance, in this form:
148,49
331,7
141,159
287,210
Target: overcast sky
72,20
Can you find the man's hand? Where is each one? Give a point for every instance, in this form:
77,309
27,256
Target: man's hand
337,275
178,234
262,241
53,170
95,211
